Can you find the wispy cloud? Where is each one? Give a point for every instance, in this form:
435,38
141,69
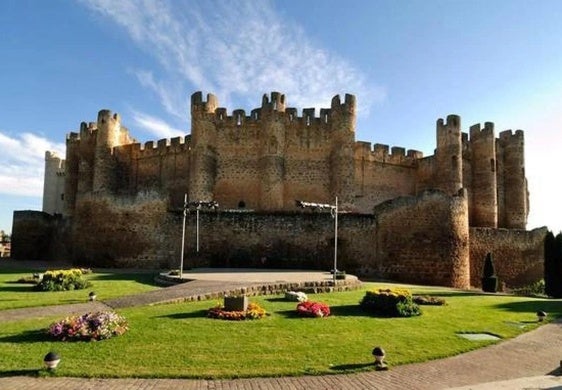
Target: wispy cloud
237,50
156,126
23,163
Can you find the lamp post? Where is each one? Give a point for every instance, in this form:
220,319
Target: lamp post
211,205
334,212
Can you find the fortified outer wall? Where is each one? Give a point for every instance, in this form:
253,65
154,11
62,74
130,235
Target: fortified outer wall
518,254
424,239
32,235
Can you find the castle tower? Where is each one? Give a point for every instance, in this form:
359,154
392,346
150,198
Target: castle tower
513,201
342,169
53,185
108,136
483,200
448,155
272,152
72,173
203,163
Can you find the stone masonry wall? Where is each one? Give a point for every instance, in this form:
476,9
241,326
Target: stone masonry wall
518,254
32,233
424,239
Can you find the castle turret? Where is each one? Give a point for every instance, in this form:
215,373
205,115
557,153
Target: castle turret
342,166
271,156
203,165
483,199
72,173
107,137
448,155
53,187
513,201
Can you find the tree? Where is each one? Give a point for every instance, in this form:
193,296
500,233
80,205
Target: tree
553,265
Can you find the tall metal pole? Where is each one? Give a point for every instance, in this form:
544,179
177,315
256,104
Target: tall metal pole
198,207
183,235
336,241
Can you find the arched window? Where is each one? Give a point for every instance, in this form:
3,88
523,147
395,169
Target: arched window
241,204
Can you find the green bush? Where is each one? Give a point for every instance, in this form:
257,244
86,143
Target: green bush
428,300
390,302
536,289
63,280
553,265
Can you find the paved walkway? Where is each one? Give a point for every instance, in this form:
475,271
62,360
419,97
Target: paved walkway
530,361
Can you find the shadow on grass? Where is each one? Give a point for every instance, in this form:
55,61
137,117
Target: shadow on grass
17,287
30,372
351,367
280,299
552,307
143,278
349,311
29,336
183,316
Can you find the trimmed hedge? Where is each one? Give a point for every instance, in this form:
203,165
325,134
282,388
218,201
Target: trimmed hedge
62,280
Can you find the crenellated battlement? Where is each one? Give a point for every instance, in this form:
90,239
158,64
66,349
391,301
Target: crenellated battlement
477,132
275,102
381,153
161,147
509,135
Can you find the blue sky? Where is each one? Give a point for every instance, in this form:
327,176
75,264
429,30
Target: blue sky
408,62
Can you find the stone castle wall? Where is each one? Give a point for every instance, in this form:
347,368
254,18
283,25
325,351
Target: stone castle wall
121,198
518,254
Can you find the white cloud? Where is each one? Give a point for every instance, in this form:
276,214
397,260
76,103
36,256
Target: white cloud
236,50
156,126
23,163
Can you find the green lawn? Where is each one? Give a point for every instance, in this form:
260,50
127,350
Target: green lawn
178,340
106,285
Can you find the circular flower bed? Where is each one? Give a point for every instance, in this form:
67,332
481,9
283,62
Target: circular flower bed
313,309
89,326
254,312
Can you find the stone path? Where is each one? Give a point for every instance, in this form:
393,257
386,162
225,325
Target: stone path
530,361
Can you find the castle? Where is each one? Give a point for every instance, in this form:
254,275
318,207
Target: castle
468,198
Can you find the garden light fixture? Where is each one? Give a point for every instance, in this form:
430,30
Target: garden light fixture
541,315
379,355
51,360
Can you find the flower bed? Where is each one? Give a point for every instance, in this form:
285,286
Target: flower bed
62,280
390,302
254,312
313,309
89,326
297,296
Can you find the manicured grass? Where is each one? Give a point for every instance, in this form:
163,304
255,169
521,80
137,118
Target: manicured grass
106,285
179,341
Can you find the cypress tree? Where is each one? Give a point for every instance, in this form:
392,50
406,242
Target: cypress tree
549,264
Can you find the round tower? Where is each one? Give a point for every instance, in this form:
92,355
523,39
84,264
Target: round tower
107,137
515,184
342,170
272,152
483,200
203,160
72,174
448,155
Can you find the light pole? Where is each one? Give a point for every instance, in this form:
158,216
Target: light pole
334,212
211,205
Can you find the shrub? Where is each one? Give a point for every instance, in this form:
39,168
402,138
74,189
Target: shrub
489,278
531,290
62,280
89,326
390,302
313,309
254,312
553,265
428,300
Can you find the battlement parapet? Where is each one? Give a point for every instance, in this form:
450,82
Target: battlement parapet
508,135
199,105
157,148
453,123
380,153
276,103
106,116
477,132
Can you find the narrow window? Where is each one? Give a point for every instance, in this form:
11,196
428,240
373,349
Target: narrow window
241,204
238,120
493,164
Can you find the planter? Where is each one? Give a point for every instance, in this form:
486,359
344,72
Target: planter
236,303
490,284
